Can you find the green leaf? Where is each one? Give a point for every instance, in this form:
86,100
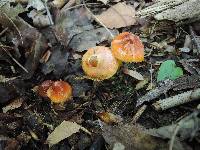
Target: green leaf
168,70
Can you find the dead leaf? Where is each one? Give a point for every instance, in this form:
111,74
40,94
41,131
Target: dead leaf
109,118
117,16
3,79
64,130
45,57
37,4
37,47
70,23
59,3
11,19
133,74
88,39
13,105
39,19
141,84
58,62
104,1
186,128
131,137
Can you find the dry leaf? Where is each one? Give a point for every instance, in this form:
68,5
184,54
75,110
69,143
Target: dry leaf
59,3
37,4
117,16
141,84
133,74
109,118
39,19
64,130
132,137
13,105
104,1
91,37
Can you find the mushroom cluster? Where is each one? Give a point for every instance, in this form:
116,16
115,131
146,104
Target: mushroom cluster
56,91
101,63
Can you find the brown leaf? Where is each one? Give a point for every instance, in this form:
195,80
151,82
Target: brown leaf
131,137
133,74
64,130
109,118
117,16
13,105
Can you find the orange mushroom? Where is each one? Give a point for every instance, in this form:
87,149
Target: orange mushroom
128,47
59,92
99,63
42,88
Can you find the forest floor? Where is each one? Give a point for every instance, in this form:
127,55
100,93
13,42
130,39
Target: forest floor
45,40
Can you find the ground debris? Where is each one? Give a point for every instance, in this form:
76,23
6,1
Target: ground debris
64,130
117,16
131,137
185,82
175,10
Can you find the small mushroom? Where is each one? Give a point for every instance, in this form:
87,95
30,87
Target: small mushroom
42,88
99,63
59,92
128,47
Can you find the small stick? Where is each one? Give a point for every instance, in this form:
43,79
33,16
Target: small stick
163,88
9,54
4,30
177,100
48,13
151,71
13,25
76,6
139,113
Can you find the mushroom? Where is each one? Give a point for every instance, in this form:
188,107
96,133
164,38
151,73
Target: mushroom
99,63
128,47
59,92
42,88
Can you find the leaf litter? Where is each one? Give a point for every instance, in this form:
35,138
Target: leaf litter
49,38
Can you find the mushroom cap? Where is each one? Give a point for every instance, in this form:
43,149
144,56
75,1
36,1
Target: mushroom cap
128,47
42,88
59,92
99,63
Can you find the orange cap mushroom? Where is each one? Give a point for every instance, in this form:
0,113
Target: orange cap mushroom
59,92
128,47
99,63
42,88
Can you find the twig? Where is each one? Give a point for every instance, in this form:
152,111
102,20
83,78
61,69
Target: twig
174,135
69,4
195,40
79,5
9,54
163,88
139,113
177,100
48,13
5,46
13,25
97,19
3,79
4,30
151,71
183,124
